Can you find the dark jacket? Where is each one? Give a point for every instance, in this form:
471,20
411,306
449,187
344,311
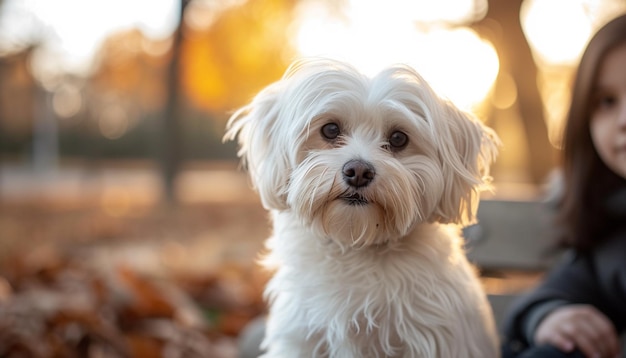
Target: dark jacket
597,277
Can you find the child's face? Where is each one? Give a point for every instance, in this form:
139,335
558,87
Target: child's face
608,118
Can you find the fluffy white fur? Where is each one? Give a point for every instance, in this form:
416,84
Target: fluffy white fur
374,270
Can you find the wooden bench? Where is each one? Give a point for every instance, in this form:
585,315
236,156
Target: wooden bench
513,246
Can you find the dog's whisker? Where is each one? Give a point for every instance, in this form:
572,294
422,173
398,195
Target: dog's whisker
332,185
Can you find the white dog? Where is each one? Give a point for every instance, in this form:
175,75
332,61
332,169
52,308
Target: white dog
367,180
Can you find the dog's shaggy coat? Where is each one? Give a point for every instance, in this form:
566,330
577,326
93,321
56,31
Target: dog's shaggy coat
368,181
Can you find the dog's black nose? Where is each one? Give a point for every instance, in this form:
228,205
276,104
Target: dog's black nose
358,173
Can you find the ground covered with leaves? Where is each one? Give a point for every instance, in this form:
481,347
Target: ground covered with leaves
78,280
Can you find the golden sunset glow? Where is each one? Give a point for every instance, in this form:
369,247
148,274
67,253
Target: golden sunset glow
455,61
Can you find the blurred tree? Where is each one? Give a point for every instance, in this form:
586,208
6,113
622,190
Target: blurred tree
126,69
171,130
502,26
124,97
45,150
17,91
221,66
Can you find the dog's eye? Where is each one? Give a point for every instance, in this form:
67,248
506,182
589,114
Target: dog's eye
330,130
398,140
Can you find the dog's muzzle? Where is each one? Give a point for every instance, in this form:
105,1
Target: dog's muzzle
357,174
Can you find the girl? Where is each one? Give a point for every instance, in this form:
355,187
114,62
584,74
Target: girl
580,308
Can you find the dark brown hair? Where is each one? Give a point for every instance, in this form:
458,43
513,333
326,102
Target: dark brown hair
588,181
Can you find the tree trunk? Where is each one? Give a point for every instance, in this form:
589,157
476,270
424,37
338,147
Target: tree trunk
171,148
517,60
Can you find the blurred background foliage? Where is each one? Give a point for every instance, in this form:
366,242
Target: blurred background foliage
165,95
113,110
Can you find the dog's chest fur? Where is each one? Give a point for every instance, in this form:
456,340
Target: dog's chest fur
400,299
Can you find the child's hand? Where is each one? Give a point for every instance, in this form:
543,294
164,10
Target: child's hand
581,326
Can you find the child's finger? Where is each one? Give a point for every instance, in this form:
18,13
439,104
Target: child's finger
561,342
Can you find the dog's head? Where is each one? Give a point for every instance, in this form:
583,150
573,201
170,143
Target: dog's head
362,160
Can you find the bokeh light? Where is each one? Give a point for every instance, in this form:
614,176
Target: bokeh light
113,121
505,94
556,42
455,61
67,100
201,14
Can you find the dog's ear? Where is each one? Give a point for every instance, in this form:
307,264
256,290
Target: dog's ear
467,149
254,126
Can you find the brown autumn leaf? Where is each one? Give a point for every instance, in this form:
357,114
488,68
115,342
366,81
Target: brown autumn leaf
142,346
146,300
